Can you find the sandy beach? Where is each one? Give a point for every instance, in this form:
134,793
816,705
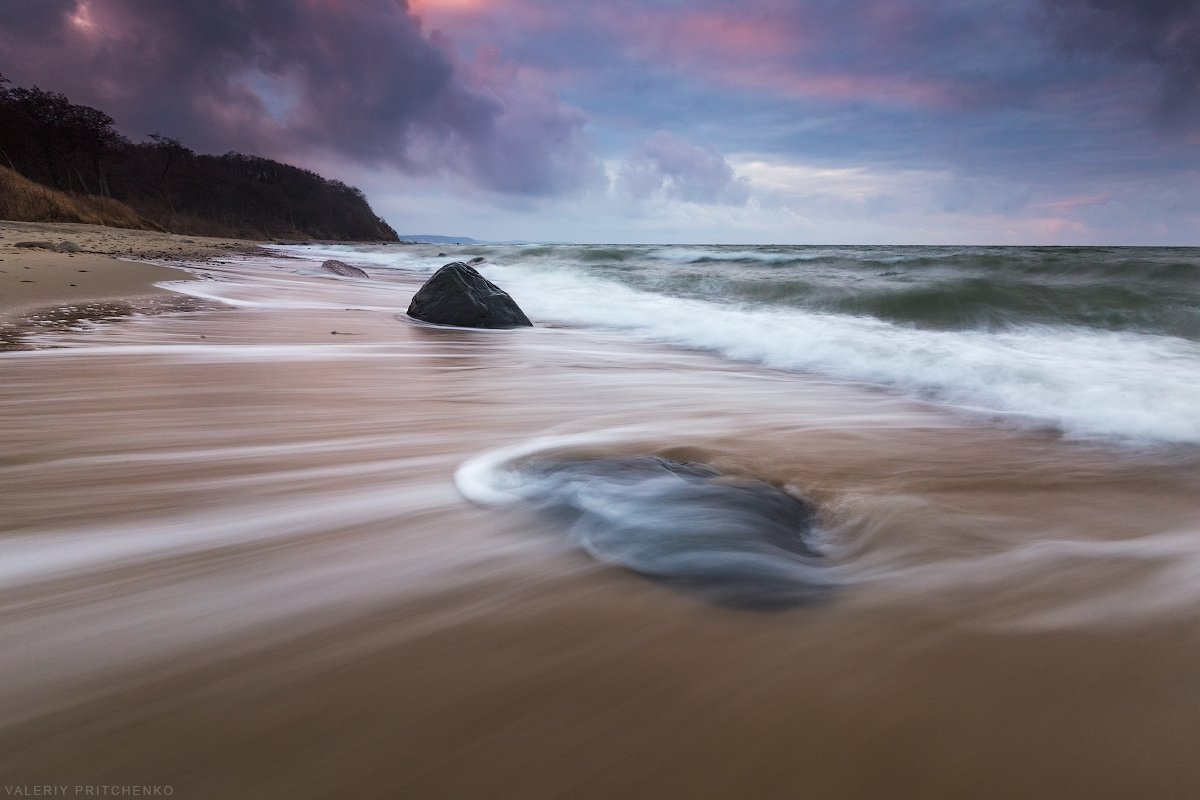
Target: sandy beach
76,264
235,561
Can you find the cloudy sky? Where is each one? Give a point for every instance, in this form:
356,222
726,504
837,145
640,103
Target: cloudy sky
756,121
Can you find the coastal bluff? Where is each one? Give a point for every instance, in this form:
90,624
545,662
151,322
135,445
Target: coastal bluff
65,162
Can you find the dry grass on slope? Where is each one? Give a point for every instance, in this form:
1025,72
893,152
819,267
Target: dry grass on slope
23,200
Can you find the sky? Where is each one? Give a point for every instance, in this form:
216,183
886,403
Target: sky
1062,122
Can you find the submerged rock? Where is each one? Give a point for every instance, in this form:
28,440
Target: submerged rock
742,541
343,269
477,260
458,295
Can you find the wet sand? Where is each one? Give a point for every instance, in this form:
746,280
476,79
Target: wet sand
97,264
234,562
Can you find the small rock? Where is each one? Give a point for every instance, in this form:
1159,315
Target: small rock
38,245
343,269
477,260
68,247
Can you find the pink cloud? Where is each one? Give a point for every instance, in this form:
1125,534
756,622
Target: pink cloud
1070,205
1058,229
771,51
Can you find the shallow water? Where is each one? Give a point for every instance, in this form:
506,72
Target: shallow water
234,561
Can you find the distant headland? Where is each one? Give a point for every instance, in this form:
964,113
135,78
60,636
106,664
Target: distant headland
63,162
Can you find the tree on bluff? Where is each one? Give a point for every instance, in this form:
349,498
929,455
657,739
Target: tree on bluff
75,148
56,142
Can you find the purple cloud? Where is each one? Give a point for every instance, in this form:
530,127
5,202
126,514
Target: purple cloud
671,168
1163,35
357,78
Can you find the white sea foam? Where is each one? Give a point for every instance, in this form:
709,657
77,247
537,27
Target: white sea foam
28,557
219,353
419,259
1087,382
687,255
1168,582
488,481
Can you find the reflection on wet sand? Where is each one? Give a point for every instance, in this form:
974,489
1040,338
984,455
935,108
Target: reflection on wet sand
238,565
22,333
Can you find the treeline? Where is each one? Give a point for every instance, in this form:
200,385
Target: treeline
75,149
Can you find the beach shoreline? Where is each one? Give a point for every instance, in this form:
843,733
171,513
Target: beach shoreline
236,560
80,264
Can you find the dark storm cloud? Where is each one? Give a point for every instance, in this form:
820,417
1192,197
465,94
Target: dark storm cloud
1163,35
359,78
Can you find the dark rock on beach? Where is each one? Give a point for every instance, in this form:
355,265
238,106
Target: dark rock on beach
741,541
343,269
458,295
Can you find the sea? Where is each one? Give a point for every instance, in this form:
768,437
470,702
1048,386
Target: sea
293,543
